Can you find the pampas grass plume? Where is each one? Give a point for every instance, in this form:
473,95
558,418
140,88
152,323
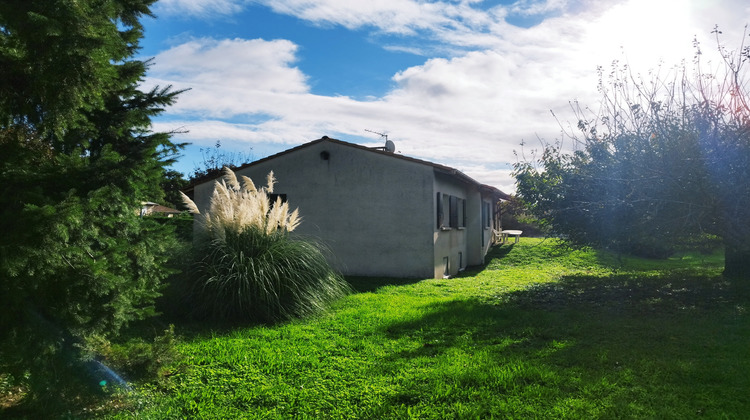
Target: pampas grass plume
236,206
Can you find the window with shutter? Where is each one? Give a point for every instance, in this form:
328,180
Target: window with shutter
453,202
461,212
439,204
485,214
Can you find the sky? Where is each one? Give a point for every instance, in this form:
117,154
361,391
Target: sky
462,83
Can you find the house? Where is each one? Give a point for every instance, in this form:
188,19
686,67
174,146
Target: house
381,213
149,208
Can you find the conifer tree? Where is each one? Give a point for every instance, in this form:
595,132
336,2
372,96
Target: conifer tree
77,158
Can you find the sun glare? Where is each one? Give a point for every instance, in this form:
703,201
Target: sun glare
647,31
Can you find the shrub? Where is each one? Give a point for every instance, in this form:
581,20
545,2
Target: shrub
516,215
248,265
136,358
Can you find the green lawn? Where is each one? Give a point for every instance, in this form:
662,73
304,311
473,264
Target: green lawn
540,332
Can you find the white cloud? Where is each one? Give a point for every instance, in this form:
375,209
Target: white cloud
474,108
236,63
390,16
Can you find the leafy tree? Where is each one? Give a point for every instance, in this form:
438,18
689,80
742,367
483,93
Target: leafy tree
215,160
76,159
515,215
665,160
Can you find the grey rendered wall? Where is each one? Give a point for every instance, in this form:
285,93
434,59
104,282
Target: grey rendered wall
477,231
373,212
466,246
481,234
451,245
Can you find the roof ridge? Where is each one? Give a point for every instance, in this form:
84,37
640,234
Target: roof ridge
444,168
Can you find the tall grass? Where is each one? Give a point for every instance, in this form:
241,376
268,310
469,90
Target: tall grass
248,266
236,207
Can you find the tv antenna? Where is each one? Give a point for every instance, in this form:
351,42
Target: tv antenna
389,147
382,135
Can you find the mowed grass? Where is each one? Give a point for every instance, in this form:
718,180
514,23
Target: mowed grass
540,332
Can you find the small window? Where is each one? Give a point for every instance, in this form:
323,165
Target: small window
486,214
461,213
445,210
439,204
453,202
451,211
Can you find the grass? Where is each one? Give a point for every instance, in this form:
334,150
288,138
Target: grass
540,332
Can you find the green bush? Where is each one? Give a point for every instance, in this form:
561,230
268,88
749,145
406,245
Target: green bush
516,215
249,266
182,223
136,358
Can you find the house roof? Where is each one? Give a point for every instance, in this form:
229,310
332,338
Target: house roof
487,189
158,208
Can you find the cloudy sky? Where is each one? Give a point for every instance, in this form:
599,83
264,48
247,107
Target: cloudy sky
457,82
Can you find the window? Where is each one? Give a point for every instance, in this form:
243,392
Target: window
446,211
461,212
439,204
451,211
486,214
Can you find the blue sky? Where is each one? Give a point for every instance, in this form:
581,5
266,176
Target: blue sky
458,82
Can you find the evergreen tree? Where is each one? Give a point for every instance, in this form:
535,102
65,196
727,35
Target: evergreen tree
172,185
76,159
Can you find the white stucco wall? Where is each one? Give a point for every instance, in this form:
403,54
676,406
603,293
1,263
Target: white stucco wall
374,212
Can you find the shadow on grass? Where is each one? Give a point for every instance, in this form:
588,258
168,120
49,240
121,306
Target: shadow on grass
670,346
664,295
678,291
173,310
372,284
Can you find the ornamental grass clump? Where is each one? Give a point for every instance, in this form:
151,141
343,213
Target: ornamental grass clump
248,265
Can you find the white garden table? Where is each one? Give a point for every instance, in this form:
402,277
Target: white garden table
506,233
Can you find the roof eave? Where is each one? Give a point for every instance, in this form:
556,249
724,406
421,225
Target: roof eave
441,168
